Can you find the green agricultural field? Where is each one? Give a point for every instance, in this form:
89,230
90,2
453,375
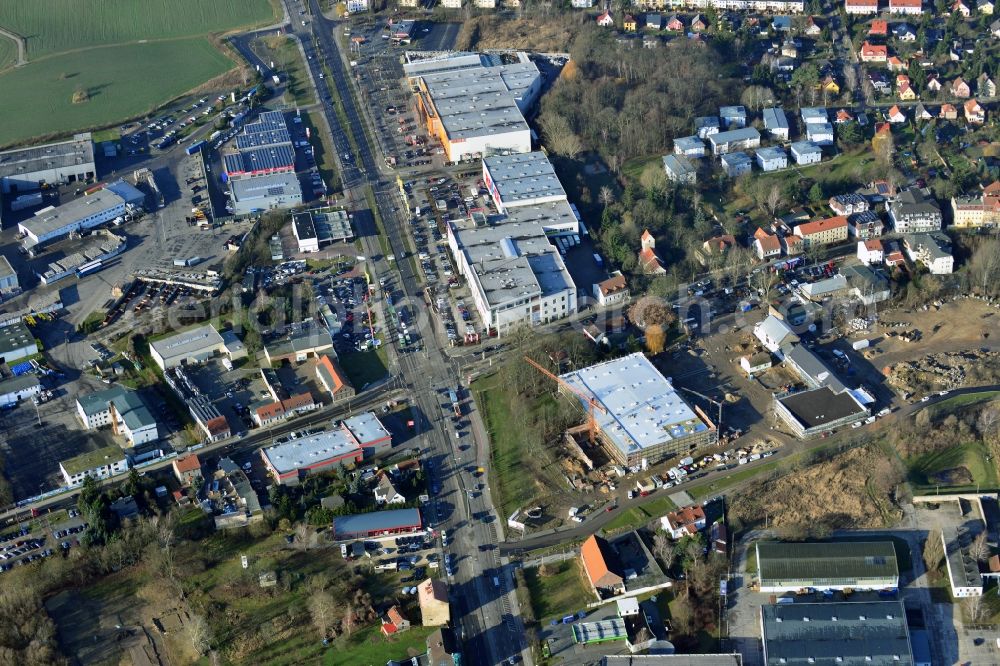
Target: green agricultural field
56,26
8,53
120,81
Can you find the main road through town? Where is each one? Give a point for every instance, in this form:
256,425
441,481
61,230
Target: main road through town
483,599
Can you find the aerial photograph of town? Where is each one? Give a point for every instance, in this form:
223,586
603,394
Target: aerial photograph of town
484,332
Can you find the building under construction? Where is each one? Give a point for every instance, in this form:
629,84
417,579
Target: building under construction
636,413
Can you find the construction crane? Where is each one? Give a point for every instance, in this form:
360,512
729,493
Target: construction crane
718,422
592,404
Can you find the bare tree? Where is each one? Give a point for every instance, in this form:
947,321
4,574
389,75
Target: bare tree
757,97
322,609
985,266
650,310
606,196
933,551
560,136
198,633
349,622
979,550
763,283
974,610
655,338
775,198
663,548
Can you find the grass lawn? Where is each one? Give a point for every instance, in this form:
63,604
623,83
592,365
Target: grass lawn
284,51
970,455
54,26
634,167
120,81
957,402
110,134
729,480
8,52
519,473
562,592
365,367
323,152
371,648
637,516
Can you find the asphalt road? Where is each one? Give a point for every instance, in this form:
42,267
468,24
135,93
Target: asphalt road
487,614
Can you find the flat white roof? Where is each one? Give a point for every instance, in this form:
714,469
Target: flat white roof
48,220
311,450
263,187
642,409
188,343
366,427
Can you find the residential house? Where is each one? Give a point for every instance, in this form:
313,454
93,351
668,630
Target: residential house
895,115
612,291
679,169
781,23
813,28
913,211
985,86
933,250
878,28
394,622
675,24
333,379
654,22
689,146
960,89
733,140
920,112
874,52
843,116
733,117
705,126
775,123
823,232
187,469
995,28
960,8
686,521
650,263
789,49
893,255
774,334
985,7
736,164
581,4
904,32
871,252
386,492
756,363
848,204
948,112
806,152
828,84
896,65
879,82
629,23
699,23
861,6
814,115
792,245
718,245
865,224
905,92
601,564
766,245
772,158
605,20
933,82
651,41
913,7
820,133
982,211
975,114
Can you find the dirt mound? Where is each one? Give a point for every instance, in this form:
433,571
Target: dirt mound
957,476
852,489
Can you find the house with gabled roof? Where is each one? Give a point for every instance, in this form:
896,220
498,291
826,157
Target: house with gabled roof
948,112
686,521
602,566
960,89
675,23
974,112
874,52
333,379
895,115
394,622
605,20
878,28
648,260
985,86
896,65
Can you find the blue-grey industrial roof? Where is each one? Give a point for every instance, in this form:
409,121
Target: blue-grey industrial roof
376,521
870,633
266,121
264,138
263,158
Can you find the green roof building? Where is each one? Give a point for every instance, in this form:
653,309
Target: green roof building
872,633
862,565
99,464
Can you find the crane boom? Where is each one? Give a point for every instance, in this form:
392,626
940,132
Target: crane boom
592,403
